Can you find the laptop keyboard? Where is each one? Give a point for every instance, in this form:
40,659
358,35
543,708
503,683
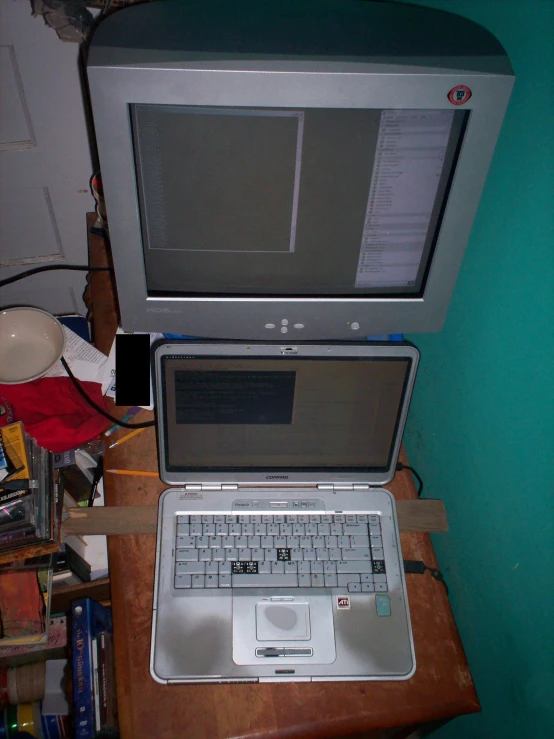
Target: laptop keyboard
276,551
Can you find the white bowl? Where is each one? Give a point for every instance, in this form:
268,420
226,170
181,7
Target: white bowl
31,342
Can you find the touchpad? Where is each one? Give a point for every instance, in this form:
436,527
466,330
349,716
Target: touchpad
282,621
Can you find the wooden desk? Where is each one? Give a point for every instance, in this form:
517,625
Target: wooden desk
441,688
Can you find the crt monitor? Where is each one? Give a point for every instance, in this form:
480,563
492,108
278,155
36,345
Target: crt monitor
308,170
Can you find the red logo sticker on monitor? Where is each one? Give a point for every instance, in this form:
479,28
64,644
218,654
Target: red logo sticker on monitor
343,603
459,95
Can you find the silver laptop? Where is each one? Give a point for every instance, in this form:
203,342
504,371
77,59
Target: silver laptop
278,555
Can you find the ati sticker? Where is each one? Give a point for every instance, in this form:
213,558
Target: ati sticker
343,603
459,95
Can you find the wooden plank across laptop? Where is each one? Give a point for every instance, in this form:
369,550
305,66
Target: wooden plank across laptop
441,688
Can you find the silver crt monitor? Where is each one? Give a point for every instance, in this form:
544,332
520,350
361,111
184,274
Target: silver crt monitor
297,170
278,554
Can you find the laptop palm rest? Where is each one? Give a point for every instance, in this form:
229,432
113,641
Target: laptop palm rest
283,629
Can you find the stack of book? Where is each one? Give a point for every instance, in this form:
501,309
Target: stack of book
94,689
30,504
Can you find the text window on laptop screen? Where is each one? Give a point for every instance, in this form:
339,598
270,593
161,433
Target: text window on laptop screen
258,201
300,414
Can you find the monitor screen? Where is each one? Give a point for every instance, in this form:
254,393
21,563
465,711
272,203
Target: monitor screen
291,202
282,414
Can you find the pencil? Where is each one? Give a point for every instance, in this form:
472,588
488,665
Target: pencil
134,472
127,436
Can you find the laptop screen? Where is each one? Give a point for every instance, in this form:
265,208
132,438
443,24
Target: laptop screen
289,414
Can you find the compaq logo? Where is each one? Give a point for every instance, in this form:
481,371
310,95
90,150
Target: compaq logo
277,477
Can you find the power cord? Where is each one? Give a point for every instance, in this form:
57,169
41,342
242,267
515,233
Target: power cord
100,410
417,567
401,466
48,268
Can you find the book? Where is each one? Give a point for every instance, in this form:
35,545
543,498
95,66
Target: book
53,648
89,619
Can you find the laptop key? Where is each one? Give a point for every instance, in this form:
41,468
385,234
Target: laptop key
183,529
377,553
317,581
182,519
368,587
345,568
304,568
264,568
198,581
291,567
183,581
265,581
205,555
218,555
225,581
212,568
304,581
330,580
231,555
186,542
354,587
349,554
225,568
187,555
211,581
360,541
353,529
190,568
277,568
381,587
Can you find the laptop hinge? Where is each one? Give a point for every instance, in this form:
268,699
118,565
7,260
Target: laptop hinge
342,486
211,486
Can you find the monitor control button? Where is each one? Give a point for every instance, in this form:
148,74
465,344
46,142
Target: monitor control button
284,329
298,325
284,322
270,325
355,326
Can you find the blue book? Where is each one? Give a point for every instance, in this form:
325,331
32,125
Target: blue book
89,618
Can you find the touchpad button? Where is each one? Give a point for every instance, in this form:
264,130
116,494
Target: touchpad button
282,621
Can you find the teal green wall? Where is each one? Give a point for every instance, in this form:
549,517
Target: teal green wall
481,429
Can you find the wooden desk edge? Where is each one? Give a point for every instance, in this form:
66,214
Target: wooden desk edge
413,515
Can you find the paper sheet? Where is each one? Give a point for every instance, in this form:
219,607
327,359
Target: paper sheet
84,360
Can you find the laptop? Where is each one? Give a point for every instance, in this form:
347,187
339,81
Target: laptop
278,554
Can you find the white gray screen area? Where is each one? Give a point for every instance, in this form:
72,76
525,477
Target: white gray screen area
238,201
281,414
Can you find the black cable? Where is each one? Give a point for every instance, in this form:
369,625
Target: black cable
96,407
401,466
417,567
48,267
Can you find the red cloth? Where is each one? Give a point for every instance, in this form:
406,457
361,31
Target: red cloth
52,411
